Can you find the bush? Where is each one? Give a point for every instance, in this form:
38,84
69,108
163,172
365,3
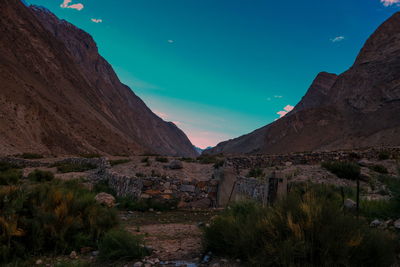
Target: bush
119,161
256,173
74,167
90,155
305,229
10,176
208,159
345,170
379,168
383,155
30,156
120,245
55,217
103,186
162,159
40,176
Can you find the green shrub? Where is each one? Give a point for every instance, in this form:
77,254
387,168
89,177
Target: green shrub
40,176
256,173
345,170
30,156
55,217
90,155
379,168
74,167
119,161
162,159
219,164
209,159
10,176
189,160
383,155
305,229
120,245
383,209
103,186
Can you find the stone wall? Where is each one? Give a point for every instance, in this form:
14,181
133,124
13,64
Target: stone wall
262,161
196,194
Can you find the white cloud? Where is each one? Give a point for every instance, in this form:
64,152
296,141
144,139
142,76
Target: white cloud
285,111
338,38
66,4
390,2
97,20
171,41
278,96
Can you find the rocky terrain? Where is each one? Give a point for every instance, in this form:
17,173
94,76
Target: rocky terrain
59,96
353,110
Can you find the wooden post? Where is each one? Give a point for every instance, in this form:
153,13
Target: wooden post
358,196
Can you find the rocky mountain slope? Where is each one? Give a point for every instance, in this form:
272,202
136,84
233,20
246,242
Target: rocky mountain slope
58,95
359,108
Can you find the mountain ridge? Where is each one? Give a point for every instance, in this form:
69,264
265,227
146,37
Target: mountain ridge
60,96
355,109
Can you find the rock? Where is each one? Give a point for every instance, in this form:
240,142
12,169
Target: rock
95,253
145,196
176,165
396,224
105,199
350,204
167,185
138,264
215,265
39,262
375,223
188,188
365,163
73,255
147,183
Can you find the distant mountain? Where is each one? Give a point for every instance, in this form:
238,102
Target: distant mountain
200,150
359,108
58,95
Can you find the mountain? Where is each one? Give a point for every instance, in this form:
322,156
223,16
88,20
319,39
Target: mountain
58,95
359,108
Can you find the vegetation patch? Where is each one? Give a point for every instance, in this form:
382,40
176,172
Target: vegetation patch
256,173
308,228
384,155
379,168
30,156
90,155
162,159
10,176
54,217
41,176
344,170
120,245
74,167
119,161
209,159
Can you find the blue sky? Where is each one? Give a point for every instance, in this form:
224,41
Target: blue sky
220,69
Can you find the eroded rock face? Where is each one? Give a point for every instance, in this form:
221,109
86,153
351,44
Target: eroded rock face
58,95
356,109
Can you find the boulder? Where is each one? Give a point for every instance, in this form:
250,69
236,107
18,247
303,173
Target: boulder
396,224
105,199
187,188
176,165
350,204
376,223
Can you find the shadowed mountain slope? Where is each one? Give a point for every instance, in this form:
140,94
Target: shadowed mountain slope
359,108
58,95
